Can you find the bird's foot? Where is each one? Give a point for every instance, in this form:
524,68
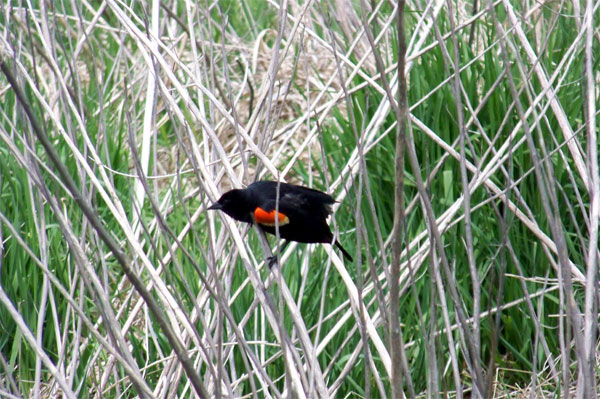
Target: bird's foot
272,261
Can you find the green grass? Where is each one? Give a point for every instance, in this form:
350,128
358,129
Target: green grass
204,276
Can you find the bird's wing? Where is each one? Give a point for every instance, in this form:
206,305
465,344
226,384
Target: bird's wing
296,202
306,202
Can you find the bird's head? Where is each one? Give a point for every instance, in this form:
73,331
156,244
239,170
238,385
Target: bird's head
235,204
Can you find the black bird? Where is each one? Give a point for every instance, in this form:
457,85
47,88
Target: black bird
302,212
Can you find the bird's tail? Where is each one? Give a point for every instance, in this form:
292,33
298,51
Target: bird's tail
344,252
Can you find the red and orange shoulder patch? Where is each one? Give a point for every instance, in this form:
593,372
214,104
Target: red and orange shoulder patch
268,218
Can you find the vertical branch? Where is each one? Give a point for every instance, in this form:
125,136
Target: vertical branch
456,84
399,220
591,280
399,106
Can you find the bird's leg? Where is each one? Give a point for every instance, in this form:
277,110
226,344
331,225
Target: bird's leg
272,260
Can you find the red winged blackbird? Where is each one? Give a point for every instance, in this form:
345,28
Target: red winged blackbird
302,212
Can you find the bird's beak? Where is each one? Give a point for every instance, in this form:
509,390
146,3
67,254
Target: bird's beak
215,206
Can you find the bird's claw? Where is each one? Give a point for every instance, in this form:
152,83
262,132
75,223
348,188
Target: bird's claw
272,261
